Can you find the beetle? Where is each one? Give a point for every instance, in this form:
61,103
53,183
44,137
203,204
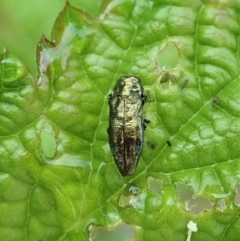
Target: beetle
126,123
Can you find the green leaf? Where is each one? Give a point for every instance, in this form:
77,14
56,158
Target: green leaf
58,179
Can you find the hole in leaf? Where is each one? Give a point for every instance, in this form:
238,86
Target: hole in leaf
221,205
193,204
184,192
48,141
122,232
198,205
237,196
154,184
168,57
132,197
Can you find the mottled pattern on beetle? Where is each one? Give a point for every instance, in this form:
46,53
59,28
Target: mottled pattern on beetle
126,128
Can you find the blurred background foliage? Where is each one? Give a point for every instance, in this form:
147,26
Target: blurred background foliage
23,22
